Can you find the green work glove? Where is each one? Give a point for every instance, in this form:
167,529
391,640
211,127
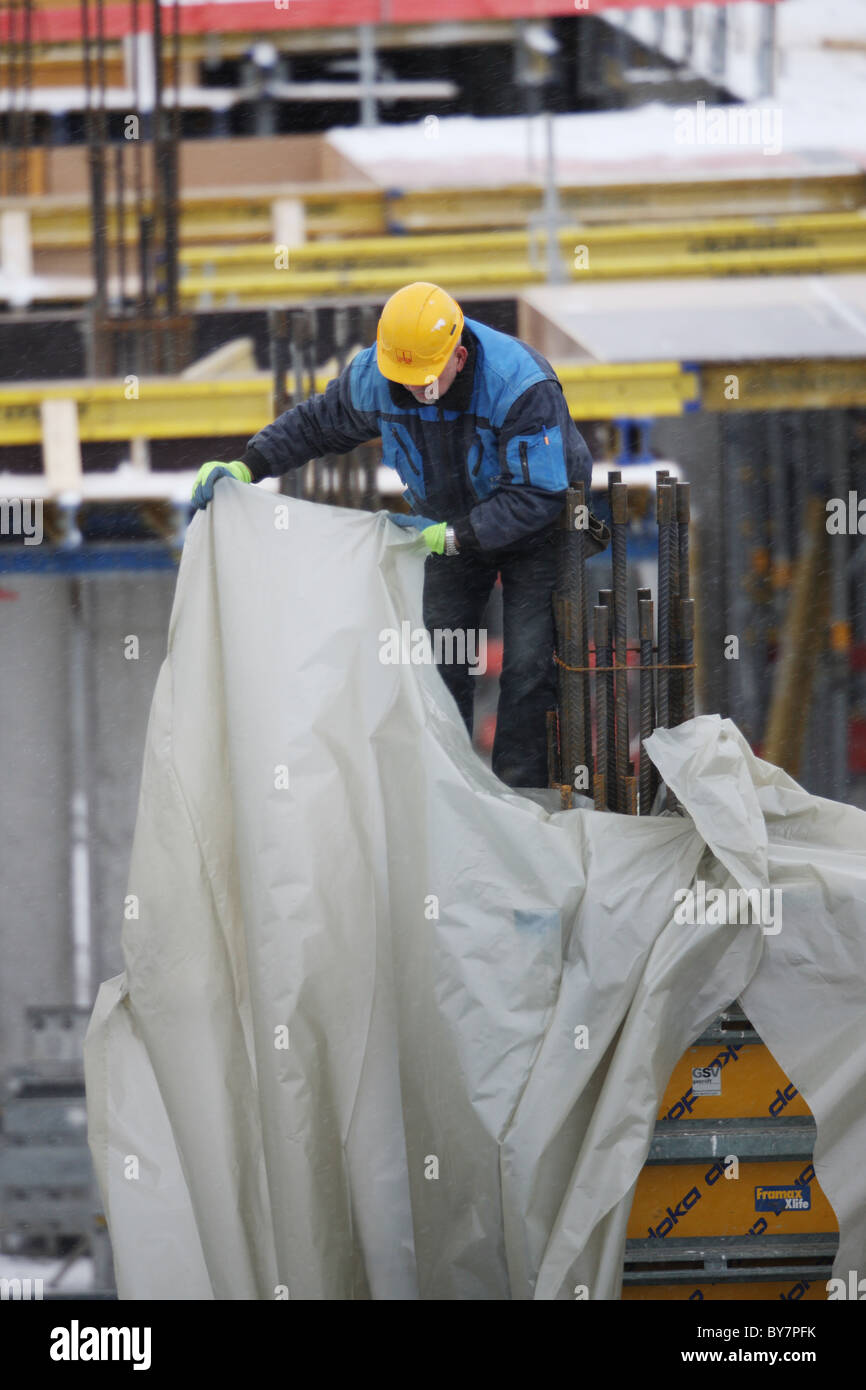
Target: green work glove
207,475
434,537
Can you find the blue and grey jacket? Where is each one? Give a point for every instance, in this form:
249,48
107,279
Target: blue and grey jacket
493,456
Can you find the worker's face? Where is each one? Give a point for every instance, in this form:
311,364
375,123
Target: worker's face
437,387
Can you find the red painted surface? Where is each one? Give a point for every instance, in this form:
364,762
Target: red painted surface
857,747
258,16
486,733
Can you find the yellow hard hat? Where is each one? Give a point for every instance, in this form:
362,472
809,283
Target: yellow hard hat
418,330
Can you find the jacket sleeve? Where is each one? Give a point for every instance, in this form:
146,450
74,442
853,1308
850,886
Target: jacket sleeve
541,453
327,423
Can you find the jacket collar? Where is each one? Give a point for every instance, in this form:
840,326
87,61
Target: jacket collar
459,393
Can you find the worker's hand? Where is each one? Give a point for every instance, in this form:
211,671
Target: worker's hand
207,475
434,537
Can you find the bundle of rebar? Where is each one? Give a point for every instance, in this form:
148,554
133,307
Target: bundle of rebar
136,324
16,79
665,667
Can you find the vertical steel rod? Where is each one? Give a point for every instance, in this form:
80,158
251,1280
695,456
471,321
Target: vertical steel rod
552,750
664,509
674,685
614,476
645,621
840,626
602,658
584,620
686,678
619,528
172,175
120,247
688,655
564,691
605,599
577,598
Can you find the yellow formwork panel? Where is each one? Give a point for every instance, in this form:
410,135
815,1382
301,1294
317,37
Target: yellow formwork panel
782,1197
828,384
790,1290
609,391
750,1082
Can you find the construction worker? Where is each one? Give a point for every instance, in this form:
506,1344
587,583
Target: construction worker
476,424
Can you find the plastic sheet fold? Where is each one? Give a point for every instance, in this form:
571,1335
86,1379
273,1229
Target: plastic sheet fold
389,1029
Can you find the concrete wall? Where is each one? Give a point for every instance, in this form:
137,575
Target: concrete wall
34,899
35,925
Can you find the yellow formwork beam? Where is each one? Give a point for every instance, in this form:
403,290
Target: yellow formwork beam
173,409
835,383
428,209
606,392
289,286
162,409
166,409
364,211
509,260
229,217
604,244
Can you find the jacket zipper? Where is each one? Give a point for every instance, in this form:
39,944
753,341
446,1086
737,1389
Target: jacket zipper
405,452
524,460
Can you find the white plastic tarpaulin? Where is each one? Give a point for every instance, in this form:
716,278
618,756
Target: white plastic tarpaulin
345,1059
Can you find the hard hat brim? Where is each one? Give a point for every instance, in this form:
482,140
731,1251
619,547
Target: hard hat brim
412,375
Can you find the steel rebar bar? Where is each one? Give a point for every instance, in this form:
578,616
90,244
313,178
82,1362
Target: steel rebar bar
278,343
839,651
605,599
619,556
552,749
601,617
566,719
583,633
299,477
120,245
172,178
685,645
344,464
645,595
579,655
674,684
688,656
27,81
664,496
96,167
645,627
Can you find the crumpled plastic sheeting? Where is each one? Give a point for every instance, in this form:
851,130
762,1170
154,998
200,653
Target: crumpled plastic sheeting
431,940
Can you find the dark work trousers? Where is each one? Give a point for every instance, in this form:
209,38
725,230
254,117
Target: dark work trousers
456,590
